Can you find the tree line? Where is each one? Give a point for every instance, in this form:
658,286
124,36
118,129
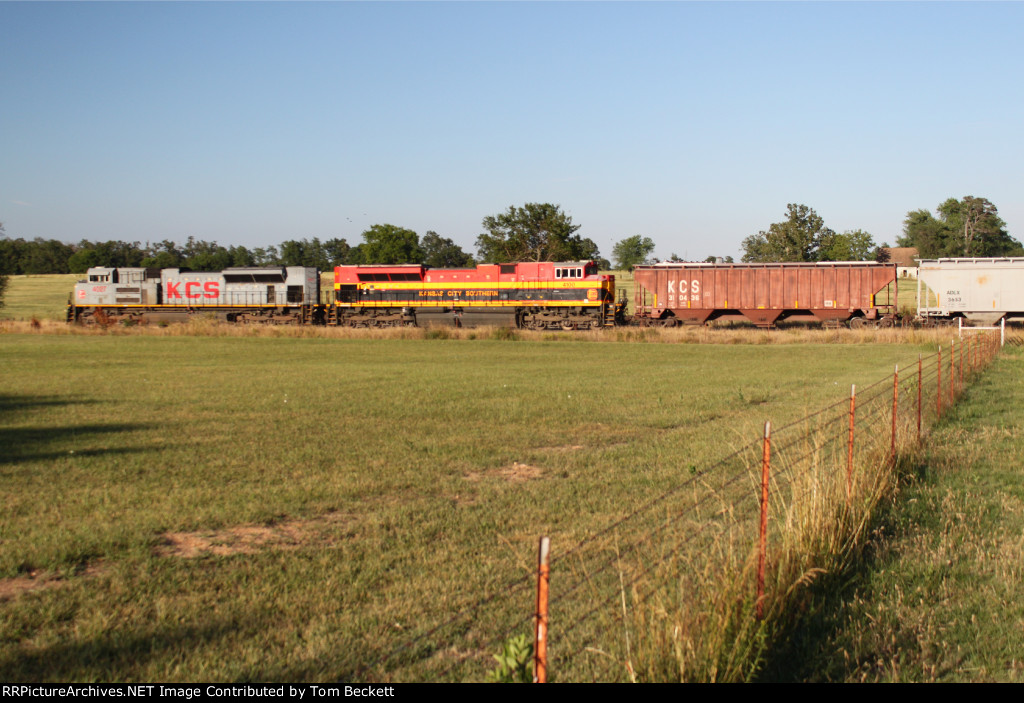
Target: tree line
533,232
970,226
383,244
966,227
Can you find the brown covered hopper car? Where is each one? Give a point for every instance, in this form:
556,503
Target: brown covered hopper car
676,293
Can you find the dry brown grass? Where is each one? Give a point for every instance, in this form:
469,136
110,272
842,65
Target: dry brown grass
648,335
247,539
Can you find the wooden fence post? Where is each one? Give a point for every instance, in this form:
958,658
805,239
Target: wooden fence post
540,641
762,555
938,384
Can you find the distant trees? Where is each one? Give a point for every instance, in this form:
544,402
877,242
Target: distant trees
534,232
967,227
632,251
803,236
388,244
441,252
855,245
797,238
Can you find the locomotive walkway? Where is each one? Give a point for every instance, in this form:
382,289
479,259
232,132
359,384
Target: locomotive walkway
942,599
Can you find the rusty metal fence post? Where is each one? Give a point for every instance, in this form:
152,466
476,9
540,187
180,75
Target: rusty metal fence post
919,374
951,382
540,641
961,365
895,399
938,384
762,553
849,444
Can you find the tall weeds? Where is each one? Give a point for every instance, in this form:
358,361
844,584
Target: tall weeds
693,616
202,327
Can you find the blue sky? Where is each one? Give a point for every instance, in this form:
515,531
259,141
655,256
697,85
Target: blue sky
691,123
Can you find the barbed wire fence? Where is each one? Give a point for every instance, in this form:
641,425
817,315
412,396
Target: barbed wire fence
678,588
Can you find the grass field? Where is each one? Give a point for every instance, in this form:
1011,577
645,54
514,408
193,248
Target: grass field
186,508
940,596
42,297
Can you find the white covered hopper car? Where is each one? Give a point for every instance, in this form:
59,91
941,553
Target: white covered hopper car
982,291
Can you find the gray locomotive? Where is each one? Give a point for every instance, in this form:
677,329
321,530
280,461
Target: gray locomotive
275,294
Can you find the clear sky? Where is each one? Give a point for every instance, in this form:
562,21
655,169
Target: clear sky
691,123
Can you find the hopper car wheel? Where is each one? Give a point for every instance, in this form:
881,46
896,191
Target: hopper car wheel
885,322
858,323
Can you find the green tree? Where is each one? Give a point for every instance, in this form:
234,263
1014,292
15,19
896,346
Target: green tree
798,238
164,255
534,232
240,256
83,259
46,256
632,251
337,251
266,256
967,227
852,245
200,255
923,231
388,244
302,252
441,252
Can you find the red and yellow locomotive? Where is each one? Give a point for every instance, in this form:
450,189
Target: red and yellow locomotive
533,295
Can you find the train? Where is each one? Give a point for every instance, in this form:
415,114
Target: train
836,292
982,291
534,295
569,295
273,294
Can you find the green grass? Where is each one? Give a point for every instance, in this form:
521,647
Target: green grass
42,297
382,468
939,596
